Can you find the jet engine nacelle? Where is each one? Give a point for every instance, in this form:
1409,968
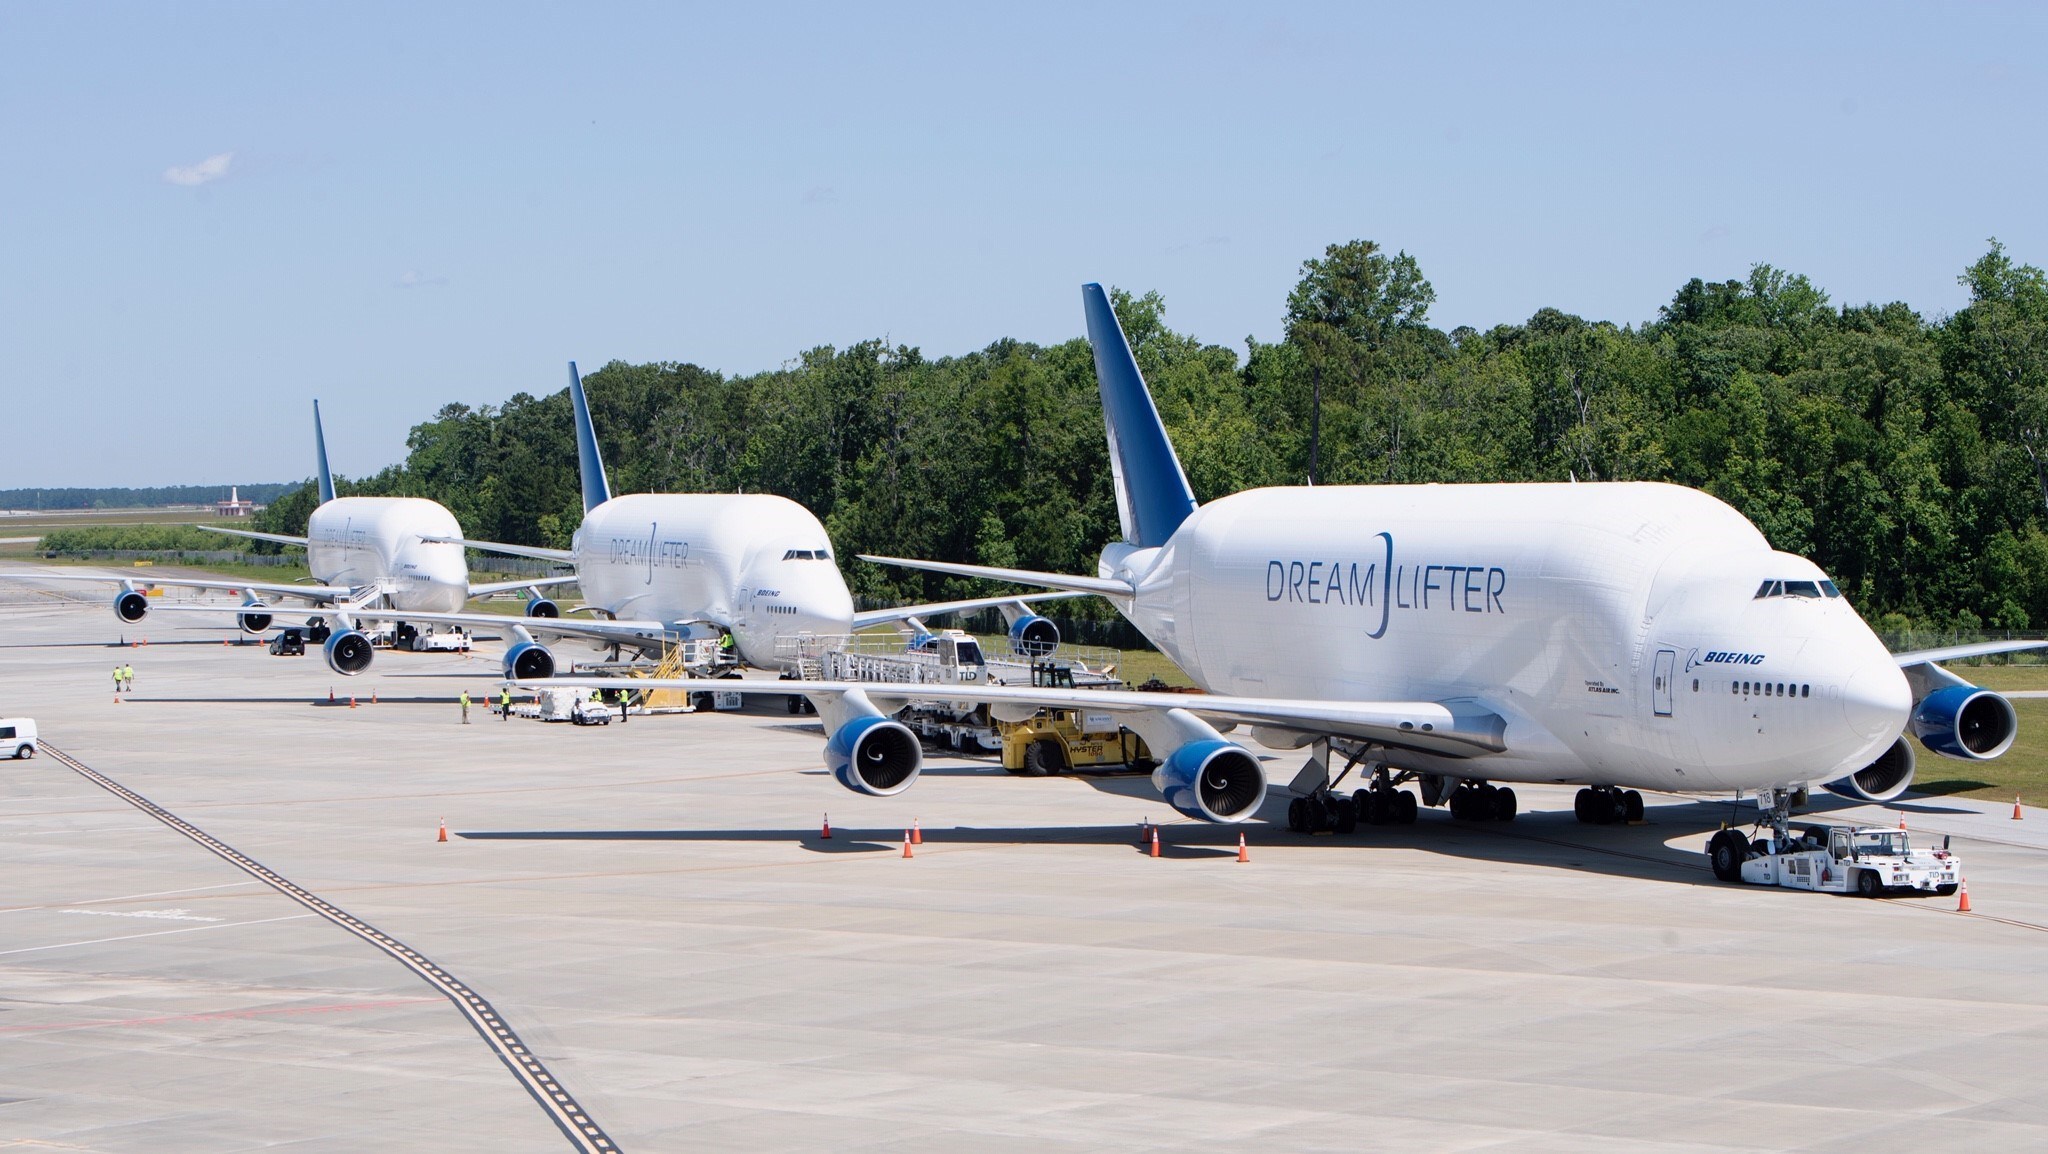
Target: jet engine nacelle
131,606
874,756
1881,780
348,652
1965,722
1212,781
529,661
542,607
1034,636
253,622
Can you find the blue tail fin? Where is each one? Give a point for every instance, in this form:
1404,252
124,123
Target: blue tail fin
1152,494
320,451
596,490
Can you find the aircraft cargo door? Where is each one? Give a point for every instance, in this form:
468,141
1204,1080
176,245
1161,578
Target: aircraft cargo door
1660,685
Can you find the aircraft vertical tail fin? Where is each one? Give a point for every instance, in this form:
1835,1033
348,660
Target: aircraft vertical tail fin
596,490
320,453
1152,493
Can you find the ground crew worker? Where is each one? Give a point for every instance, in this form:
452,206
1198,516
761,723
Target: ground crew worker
625,706
725,646
505,702
117,679
128,677
465,707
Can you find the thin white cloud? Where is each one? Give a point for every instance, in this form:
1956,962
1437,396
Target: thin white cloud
413,279
205,172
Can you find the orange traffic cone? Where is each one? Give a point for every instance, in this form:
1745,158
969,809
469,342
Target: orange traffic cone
1963,895
1902,819
906,844
1144,824
351,701
827,833
916,833
1241,854
330,695
223,642
2016,809
117,699
373,697
1155,841
443,835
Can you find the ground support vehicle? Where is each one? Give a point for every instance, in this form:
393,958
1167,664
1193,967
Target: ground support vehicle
453,639
949,657
290,642
571,705
1869,861
18,737
1058,740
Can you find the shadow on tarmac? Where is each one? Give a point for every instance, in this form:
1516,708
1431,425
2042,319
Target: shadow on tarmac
1552,840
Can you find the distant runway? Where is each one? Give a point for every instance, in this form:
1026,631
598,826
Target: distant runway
652,909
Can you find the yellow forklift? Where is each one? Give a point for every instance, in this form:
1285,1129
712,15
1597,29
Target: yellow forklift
1058,740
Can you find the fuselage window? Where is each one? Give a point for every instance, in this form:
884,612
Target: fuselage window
1695,685
1806,691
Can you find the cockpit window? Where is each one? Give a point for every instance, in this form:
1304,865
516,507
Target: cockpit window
1814,589
808,555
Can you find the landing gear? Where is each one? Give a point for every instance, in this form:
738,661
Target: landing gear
1605,805
1478,801
1322,812
1725,853
1382,804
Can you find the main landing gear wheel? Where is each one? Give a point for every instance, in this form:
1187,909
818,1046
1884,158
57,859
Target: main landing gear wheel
1482,802
1604,805
1323,812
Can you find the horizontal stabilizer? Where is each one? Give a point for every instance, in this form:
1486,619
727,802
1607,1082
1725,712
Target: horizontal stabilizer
905,613
507,586
1101,586
565,556
251,534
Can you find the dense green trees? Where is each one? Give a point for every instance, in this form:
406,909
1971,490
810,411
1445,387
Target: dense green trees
1908,456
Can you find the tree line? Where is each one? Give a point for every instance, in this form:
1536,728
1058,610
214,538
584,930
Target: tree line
147,498
1908,456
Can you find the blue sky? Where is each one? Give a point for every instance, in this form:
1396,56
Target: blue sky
212,213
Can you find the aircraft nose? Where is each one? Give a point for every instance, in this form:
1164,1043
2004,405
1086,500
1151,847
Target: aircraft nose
1877,701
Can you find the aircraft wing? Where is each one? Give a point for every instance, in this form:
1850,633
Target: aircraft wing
1958,652
1101,586
905,613
1450,728
622,632
316,594
563,555
253,535
531,583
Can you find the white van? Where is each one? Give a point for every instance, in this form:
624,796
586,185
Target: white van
17,737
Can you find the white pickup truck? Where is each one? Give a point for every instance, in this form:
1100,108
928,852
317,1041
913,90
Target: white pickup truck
1869,861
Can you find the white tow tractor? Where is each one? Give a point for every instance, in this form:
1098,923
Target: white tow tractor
1869,861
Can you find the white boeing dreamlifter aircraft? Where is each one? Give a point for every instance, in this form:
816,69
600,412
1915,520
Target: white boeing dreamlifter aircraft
1621,636
663,567
364,553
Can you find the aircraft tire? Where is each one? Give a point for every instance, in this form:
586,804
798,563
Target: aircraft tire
1405,807
1582,806
1503,804
1344,813
1632,803
1297,815
1725,854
